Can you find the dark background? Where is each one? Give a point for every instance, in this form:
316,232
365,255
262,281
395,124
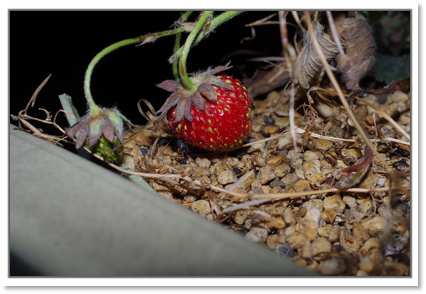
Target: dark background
62,43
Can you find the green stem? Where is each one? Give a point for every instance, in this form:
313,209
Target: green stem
182,61
100,55
177,45
217,21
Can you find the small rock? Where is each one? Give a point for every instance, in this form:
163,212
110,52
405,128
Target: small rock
301,212
289,216
310,155
277,223
290,231
297,239
256,191
306,250
246,184
274,161
334,234
281,236
277,183
313,214
368,262
350,201
272,241
255,184
370,243
311,234
359,232
240,216
226,177
265,175
374,225
335,203
201,207
286,250
333,267
301,262
310,169
318,179
322,144
365,206
266,189
302,185
361,273
290,179
328,216
281,170
203,162
320,245
258,235
325,231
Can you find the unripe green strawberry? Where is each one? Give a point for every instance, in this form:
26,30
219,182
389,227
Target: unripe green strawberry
216,116
223,125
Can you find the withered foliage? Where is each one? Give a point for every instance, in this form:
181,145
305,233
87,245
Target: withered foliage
264,81
360,48
308,62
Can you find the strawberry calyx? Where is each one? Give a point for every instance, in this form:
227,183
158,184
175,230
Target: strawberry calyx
184,98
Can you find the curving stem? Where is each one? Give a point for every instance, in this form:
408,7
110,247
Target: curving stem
188,43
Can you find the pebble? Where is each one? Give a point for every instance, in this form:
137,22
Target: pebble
361,273
277,223
302,185
265,175
258,235
289,216
370,243
350,201
286,250
306,250
334,234
240,216
374,225
282,170
255,184
333,267
328,216
203,162
323,144
368,262
360,232
301,212
320,245
272,241
365,206
311,234
274,161
317,179
290,179
297,239
201,207
226,177
313,214
310,169
276,183
335,203
310,155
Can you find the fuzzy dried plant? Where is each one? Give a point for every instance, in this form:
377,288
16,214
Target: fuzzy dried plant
359,57
308,62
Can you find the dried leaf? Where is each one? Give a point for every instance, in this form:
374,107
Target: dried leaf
208,91
349,180
308,62
359,57
169,85
265,81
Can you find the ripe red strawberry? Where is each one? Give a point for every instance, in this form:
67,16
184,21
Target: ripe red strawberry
217,117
